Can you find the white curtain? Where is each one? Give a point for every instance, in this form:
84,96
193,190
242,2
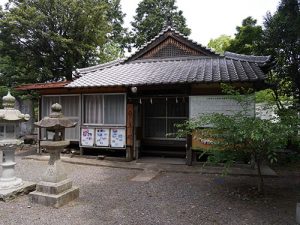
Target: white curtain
70,109
114,109
47,102
93,109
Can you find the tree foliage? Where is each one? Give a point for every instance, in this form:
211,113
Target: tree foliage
281,39
46,40
247,37
241,133
220,44
150,18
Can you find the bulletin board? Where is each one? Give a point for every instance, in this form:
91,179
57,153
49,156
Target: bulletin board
87,137
117,137
102,137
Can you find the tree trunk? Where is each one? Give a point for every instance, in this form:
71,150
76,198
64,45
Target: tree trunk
260,177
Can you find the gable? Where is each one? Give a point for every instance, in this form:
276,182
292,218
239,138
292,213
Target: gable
170,48
170,44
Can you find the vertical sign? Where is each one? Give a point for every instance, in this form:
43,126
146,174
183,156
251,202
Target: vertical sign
102,137
129,125
87,137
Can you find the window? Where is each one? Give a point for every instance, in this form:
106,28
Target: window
114,109
93,109
70,109
161,115
107,109
7,131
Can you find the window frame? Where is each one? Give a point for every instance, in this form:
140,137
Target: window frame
43,134
103,124
165,118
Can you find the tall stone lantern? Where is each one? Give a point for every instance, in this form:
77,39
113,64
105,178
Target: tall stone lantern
10,121
55,189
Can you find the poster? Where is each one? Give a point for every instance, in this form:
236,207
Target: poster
87,137
117,137
102,137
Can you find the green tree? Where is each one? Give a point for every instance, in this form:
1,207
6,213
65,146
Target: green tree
247,37
46,40
150,18
220,44
238,133
281,39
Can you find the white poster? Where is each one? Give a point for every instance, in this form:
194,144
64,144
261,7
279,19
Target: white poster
87,137
102,137
117,137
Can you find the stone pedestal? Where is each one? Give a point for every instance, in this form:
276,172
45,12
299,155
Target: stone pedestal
55,189
54,194
8,179
9,194
11,186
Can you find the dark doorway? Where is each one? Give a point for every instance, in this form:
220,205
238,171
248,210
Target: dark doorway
159,118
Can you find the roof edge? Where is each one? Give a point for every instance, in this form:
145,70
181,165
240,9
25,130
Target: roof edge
249,58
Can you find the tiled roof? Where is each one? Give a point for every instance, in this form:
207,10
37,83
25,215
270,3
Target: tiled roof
164,34
262,60
39,86
174,71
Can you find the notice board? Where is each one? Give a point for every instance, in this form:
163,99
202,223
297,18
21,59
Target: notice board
87,137
117,137
102,137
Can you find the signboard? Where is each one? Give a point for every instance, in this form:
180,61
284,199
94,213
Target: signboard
117,137
87,137
102,137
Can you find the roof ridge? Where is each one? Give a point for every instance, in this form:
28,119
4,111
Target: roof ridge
100,66
244,57
168,59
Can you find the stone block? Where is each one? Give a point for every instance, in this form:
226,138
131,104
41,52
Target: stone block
9,194
54,200
54,188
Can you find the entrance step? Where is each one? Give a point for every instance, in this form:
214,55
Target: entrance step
149,152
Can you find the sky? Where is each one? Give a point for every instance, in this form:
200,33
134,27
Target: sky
211,18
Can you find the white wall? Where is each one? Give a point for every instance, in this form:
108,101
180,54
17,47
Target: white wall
207,104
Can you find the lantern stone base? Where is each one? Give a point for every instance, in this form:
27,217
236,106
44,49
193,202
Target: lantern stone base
12,193
54,194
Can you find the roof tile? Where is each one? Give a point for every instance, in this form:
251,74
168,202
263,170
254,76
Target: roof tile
172,70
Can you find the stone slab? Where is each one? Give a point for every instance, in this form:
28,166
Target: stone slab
55,201
54,188
146,175
9,194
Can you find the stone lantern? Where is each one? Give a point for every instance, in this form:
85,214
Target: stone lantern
10,120
55,189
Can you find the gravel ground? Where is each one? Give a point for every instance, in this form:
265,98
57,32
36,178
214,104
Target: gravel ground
108,196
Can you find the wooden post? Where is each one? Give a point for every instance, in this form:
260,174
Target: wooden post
129,132
189,152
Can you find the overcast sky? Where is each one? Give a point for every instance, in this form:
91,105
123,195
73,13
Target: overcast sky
211,18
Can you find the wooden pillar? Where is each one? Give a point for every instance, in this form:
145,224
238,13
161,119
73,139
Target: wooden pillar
189,152
129,132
